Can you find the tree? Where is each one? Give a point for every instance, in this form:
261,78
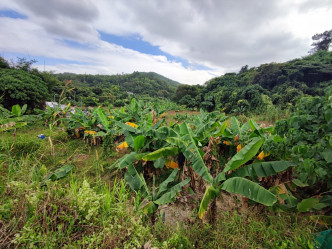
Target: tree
323,41
21,87
24,64
3,63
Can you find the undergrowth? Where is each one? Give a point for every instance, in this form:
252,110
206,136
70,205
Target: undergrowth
92,208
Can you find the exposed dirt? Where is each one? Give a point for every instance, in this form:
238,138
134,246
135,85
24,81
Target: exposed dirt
185,208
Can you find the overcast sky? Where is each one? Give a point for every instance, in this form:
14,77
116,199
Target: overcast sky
190,41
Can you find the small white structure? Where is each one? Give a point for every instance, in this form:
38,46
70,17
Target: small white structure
55,105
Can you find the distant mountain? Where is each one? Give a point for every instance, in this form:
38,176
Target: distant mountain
158,76
138,83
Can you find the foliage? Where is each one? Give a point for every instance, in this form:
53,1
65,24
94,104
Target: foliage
322,41
306,138
258,89
21,87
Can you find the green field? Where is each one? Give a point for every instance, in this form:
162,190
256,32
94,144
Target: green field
150,176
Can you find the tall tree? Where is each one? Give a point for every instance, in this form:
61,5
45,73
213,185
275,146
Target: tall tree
322,41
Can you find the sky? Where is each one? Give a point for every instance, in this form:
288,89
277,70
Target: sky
190,41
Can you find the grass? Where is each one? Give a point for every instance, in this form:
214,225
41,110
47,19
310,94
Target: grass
93,207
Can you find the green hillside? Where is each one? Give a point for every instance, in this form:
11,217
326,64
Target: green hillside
258,88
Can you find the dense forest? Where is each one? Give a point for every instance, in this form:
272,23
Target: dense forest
22,84
116,89
257,89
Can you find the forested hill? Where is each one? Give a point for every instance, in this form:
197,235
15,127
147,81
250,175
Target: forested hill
254,89
138,83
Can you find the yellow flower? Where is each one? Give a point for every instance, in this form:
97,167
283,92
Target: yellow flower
68,105
132,124
171,164
162,115
238,148
63,112
261,156
122,146
226,142
111,117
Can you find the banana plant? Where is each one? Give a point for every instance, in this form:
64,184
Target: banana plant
232,178
224,180
11,120
157,197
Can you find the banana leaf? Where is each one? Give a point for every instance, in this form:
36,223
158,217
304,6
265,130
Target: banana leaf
262,169
170,194
251,190
163,185
210,193
139,142
125,161
244,155
163,152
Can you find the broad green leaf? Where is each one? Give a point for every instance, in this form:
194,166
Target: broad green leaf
235,126
136,182
24,108
176,141
191,152
125,161
103,118
156,125
244,129
163,133
60,173
16,110
262,169
251,190
297,182
125,126
163,185
170,194
210,193
327,154
307,204
163,152
139,142
159,163
221,129
129,138
255,127
244,155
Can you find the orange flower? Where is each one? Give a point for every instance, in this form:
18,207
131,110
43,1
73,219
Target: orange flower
90,132
171,164
236,138
226,142
238,148
261,156
132,124
122,146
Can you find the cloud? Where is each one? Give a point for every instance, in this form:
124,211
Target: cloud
213,36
